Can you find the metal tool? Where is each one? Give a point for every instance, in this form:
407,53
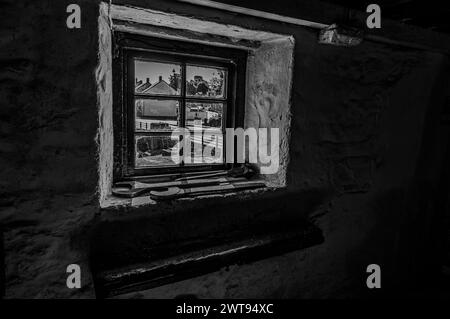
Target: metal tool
241,171
133,188
177,192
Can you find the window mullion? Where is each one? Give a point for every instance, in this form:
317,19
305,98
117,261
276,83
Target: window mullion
183,105
183,95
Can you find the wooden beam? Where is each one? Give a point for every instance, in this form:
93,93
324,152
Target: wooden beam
317,15
256,13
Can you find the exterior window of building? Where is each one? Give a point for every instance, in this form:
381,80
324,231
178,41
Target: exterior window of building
167,87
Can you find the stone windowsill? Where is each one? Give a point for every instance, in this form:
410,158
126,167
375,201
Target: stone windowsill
112,202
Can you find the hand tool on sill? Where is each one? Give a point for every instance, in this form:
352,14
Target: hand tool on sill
163,178
241,171
177,192
245,170
132,189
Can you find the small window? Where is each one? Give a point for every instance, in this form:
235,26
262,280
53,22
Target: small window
166,87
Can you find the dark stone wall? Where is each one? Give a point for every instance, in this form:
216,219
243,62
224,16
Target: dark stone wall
365,121
48,113
47,143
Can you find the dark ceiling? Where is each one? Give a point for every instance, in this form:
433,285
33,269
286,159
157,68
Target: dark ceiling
428,14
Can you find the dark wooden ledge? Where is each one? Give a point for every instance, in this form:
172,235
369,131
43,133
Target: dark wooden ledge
182,260
140,248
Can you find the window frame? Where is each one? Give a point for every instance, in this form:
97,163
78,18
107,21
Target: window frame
128,47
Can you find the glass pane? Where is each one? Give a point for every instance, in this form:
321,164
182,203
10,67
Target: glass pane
157,78
205,81
206,148
208,116
154,114
155,150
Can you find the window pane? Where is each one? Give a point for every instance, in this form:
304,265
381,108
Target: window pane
205,122
206,148
157,78
154,114
154,150
206,115
205,81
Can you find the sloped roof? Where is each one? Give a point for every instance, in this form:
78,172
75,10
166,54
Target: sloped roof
162,87
141,88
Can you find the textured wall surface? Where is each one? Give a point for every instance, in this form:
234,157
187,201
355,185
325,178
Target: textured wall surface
103,77
268,102
360,117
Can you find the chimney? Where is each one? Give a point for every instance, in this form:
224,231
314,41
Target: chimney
148,80
160,78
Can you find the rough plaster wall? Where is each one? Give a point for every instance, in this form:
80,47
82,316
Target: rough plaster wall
268,92
49,121
349,125
44,102
43,235
103,77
